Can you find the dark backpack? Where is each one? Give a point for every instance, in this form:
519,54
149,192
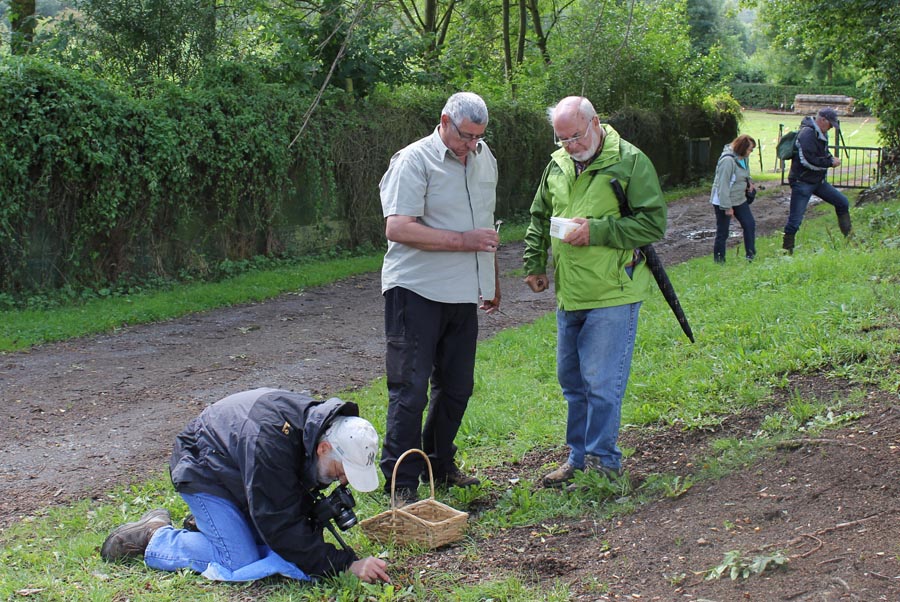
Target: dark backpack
785,148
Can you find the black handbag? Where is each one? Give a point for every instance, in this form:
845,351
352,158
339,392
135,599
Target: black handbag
750,195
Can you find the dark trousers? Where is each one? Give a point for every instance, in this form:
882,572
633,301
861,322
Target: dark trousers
428,343
800,194
723,221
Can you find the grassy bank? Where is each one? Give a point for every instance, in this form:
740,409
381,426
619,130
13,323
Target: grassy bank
831,308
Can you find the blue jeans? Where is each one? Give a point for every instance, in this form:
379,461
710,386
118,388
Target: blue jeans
723,221
800,194
593,358
227,547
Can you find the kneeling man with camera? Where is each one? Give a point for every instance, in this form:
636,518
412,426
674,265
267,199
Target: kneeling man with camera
251,469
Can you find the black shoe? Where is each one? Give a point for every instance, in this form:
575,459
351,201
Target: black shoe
404,496
844,224
190,523
131,539
787,243
457,478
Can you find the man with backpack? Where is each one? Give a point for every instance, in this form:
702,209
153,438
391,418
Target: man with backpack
809,163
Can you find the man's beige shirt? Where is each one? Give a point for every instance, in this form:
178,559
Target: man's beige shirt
426,181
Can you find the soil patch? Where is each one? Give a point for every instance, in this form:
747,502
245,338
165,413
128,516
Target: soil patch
86,415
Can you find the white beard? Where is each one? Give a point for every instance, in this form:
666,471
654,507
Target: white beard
589,152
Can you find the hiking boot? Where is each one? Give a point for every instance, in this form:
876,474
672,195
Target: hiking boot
560,476
131,539
593,463
404,496
844,224
457,478
190,523
788,242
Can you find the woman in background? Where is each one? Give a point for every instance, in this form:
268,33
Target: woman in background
732,193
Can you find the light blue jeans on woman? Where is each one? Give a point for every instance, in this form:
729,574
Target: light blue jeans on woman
594,349
227,547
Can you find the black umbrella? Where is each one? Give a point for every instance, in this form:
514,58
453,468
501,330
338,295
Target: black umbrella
655,265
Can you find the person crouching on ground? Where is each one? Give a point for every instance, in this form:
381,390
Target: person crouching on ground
730,196
249,468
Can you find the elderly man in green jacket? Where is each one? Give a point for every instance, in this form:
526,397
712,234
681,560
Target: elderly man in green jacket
601,277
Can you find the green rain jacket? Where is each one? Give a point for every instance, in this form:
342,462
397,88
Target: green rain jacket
595,276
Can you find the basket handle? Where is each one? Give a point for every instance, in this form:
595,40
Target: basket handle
397,463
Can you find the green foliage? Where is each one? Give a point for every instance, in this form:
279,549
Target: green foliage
142,40
98,184
611,51
735,565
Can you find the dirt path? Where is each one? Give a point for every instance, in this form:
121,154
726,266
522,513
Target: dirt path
83,416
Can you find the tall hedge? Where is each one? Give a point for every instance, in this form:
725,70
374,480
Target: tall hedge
767,96
97,183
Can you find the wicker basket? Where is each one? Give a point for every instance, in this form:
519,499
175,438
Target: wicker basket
427,523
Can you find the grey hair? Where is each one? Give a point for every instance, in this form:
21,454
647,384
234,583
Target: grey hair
466,105
585,108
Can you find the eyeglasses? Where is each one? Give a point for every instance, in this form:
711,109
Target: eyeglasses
560,142
466,137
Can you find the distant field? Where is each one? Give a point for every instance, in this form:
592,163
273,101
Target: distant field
764,127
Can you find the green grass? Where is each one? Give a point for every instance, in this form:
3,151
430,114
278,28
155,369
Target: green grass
832,308
763,126
20,329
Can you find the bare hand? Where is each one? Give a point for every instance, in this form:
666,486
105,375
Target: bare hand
581,236
835,161
481,239
492,306
537,282
370,570
729,212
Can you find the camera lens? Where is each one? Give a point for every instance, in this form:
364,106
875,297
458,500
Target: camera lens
345,519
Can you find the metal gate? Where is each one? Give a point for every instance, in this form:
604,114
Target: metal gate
860,167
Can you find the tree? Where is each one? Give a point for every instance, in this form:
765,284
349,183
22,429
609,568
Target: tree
430,20
861,33
145,39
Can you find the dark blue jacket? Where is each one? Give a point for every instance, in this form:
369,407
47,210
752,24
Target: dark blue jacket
811,158
257,450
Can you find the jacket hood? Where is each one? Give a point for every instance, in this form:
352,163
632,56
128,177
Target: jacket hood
809,122
727,151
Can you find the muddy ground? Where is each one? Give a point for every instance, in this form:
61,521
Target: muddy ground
86,415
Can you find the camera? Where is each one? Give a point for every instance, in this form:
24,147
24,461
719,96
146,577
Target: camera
337,505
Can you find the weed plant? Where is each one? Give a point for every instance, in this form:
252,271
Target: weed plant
830,309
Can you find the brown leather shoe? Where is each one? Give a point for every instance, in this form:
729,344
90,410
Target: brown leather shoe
457,478
560,476
404,496
131,539
593,464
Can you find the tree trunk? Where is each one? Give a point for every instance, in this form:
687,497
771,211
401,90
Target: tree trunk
541,37
507,48
22,23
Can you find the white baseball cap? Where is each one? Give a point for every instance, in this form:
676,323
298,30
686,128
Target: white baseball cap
355,441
